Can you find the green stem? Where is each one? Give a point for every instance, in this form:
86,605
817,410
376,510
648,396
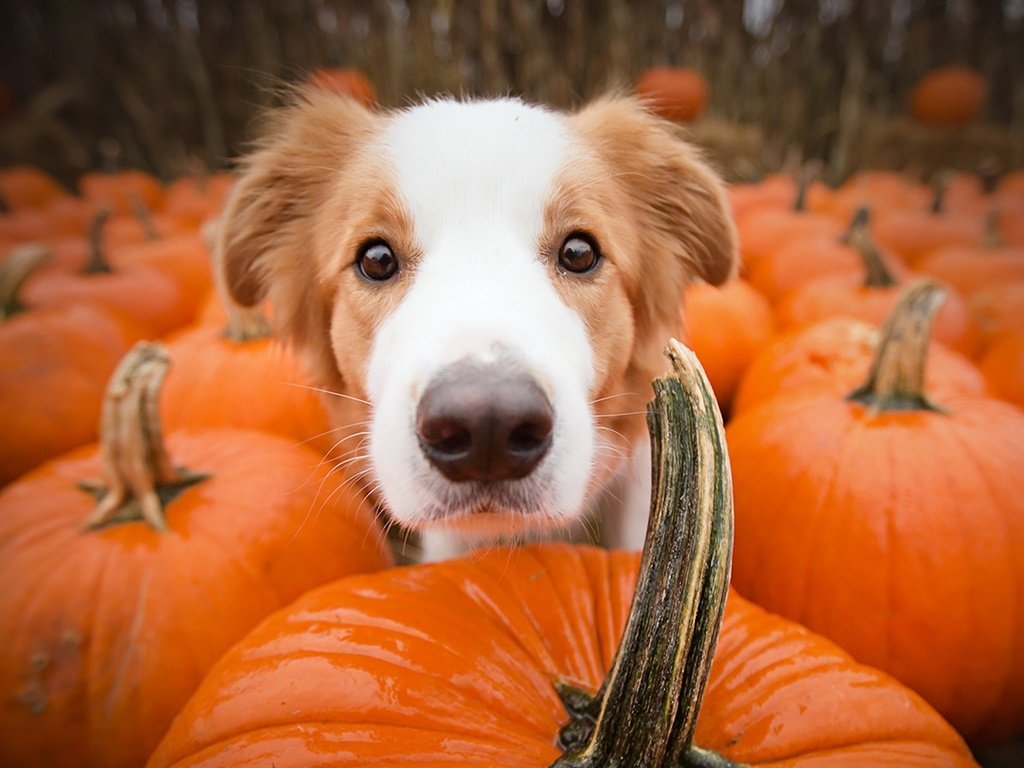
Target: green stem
646,711
896,379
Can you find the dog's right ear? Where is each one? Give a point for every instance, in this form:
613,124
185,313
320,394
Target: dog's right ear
265,226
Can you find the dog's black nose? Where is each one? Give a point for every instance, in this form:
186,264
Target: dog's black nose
476,423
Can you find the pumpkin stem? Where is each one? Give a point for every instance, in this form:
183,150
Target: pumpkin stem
646,711
896,379
810,173
141,212
97,261
21,262
939,185
876,273
138,477
993,237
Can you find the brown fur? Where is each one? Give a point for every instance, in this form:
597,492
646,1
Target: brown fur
315,190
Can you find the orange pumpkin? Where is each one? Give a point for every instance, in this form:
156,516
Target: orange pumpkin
675,93
950,96
974,268
726,326
997,308
893,524
123,191
914,233
877,190
832,357
500,658
1003,365
144,293
351,82
23,186
56,363
239,376
870,296
109,629
197,198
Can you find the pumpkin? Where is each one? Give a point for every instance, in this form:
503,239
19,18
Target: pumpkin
501,658
997,308
764,229
1003,365
803,259
726,326
195,199
154,299
971,268
893,524
350,82
23,186
56,364
119,593
679,94
948,96
833,356
239,376
878,190
122,192
870,296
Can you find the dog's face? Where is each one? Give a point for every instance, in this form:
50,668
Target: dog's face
496,280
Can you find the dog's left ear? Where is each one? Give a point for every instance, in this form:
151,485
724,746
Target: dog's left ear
679,200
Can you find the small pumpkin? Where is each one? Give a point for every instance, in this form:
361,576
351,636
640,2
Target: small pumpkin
975,267
949,96
878,190
501,658
122,192
119,593
892,523
679,94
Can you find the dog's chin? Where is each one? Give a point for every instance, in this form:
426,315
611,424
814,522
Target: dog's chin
488,510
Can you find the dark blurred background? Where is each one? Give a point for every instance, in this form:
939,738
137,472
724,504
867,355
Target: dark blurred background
170,84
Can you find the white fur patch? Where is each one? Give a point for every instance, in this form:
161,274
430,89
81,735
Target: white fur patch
475,179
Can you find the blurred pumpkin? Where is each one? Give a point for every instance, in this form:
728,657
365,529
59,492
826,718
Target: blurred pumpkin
1003,365
949,96
679,94
350,82
22,186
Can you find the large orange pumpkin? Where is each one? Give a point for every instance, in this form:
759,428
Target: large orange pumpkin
501,658
108,629
893,525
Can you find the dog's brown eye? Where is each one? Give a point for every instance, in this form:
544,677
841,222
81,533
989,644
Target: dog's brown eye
377,261
578,254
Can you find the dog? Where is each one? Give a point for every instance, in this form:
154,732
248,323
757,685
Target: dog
486,287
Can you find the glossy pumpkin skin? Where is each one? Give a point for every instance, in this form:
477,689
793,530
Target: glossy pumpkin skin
108,632
455,664
896,534
833,357
56,364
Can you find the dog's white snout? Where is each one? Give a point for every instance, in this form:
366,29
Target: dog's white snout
484,423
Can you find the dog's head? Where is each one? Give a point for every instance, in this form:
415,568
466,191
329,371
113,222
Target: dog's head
496,279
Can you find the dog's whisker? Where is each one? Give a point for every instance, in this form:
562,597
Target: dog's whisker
329,392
